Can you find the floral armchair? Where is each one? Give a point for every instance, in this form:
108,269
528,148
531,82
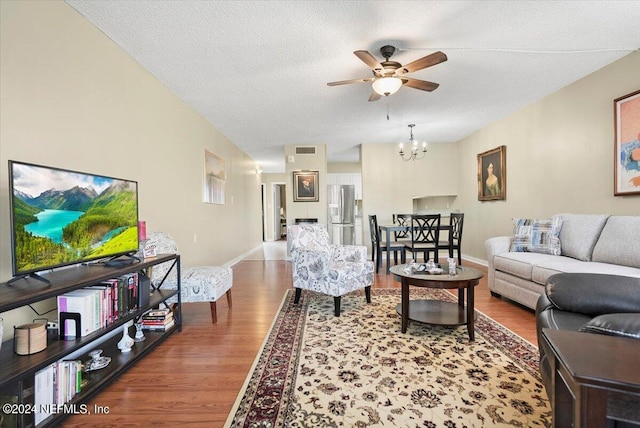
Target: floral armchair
328,269
197,284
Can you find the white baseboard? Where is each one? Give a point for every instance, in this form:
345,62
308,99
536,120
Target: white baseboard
475,260
242,256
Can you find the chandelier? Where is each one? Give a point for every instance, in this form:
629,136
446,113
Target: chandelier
415,152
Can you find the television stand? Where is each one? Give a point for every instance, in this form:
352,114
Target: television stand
28,275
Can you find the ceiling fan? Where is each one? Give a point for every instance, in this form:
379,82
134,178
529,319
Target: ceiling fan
389,76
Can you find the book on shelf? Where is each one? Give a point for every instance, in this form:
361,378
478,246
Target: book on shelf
158,312
44,393
157,317
156,322
161,327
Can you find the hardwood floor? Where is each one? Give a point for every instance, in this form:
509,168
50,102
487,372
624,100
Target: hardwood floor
193,378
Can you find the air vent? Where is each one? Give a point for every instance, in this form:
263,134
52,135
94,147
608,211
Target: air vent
305,150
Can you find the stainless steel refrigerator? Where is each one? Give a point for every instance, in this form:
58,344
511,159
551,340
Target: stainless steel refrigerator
341,215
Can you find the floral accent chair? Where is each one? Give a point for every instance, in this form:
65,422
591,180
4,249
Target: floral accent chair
325,268
197,284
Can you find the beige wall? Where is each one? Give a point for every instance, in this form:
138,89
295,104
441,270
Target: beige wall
315,162
344,167
71,98
559,157
389,184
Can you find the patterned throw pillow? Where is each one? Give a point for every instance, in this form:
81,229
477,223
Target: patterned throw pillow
537,235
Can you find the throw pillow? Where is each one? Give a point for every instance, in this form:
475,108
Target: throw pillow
627,325
537,235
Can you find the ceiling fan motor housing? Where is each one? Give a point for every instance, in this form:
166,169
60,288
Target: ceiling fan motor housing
387,51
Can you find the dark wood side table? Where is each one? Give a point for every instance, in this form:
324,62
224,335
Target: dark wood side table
434,311
591,376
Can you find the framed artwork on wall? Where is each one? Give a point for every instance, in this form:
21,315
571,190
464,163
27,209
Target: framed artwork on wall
215,178
626,162
305,186
492,174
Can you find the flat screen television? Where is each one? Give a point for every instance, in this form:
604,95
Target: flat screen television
61,217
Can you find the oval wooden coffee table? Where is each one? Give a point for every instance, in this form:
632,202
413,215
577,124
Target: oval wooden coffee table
438,312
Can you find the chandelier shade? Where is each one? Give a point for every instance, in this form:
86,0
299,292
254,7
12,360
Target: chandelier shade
387,85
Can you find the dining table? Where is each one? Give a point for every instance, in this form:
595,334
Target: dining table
389,239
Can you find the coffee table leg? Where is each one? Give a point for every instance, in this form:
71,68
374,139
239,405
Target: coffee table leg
470,313
405,305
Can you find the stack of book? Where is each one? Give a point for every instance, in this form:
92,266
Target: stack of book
157,320
99,305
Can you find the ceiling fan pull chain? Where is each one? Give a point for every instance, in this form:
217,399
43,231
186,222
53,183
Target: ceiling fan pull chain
387,100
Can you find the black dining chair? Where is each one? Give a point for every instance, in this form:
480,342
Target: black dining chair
377,248
425,234
402,220
455,236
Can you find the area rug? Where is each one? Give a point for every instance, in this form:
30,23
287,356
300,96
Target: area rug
359,370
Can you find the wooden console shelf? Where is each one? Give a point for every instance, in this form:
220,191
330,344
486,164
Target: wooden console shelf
18,371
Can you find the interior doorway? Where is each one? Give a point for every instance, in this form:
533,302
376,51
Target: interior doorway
263,198
279,212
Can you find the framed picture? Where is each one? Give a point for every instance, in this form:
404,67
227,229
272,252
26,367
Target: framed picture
305,186
626,161
215,177
492,174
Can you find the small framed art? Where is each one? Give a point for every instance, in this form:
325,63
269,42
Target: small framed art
305,186
626,162
492,174
215,177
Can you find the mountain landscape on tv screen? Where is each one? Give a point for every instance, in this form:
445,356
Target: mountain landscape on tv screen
66,225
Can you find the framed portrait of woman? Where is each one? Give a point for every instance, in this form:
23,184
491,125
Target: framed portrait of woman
492,174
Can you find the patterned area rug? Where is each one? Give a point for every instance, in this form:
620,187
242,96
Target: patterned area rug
359,370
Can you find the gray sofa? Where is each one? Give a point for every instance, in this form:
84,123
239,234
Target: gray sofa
588,243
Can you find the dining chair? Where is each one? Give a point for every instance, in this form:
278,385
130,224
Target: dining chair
402,220
425,234
377,247
455,236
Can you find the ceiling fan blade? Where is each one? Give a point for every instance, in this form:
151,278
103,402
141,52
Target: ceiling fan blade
369,59
375,96
423,85
424,62
345,82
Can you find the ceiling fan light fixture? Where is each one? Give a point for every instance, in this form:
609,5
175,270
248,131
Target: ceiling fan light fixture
387,85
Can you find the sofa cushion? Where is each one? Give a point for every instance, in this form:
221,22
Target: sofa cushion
537,235
626,325
619,242
519,264
579,234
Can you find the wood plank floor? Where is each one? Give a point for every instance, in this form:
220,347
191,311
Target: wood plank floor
193,378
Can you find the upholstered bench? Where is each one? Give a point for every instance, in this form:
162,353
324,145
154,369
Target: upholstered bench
198,284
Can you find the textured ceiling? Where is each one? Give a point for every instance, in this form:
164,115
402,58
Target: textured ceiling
257,70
